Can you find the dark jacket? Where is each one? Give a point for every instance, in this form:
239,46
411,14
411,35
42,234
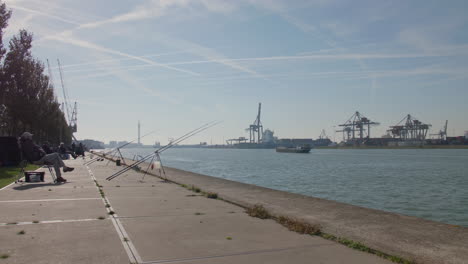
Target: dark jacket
31,151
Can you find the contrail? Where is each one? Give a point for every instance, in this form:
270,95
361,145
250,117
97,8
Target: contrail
89,45
117,60
44,14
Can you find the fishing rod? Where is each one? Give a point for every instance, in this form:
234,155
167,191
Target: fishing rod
158,151
178,140
117,148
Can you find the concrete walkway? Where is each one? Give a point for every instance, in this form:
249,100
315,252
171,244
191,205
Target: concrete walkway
154,222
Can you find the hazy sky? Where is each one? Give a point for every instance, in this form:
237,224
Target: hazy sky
177,64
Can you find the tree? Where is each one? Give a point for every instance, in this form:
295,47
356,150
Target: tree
28,101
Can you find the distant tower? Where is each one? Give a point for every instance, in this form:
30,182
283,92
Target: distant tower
139,132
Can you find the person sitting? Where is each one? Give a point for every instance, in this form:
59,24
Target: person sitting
80,150
47,148
65,152
36,155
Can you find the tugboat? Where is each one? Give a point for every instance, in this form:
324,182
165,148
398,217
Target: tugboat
297,149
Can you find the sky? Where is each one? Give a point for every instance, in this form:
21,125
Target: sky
175,65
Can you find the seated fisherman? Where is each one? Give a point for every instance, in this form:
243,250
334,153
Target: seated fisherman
65,152
35,154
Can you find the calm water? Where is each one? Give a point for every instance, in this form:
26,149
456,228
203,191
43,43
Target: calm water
431,184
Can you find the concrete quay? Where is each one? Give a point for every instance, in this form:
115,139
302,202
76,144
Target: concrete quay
415,239
148,221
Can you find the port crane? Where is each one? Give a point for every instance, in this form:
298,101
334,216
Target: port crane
409,128
443,132
71,112
256,129
357,127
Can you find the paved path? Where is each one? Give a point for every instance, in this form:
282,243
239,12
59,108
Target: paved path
154,222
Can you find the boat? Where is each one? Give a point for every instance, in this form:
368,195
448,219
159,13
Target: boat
297,149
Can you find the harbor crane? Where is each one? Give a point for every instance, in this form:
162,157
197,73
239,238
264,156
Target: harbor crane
442,135
256,129
71,113
409,128
357,127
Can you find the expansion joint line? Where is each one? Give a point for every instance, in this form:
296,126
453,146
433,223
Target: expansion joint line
130,249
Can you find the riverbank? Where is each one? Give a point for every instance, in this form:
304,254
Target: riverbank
412,238
398,147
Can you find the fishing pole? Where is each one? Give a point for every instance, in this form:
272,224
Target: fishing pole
178,140
117,148
158,151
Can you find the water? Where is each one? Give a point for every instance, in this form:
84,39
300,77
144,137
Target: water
427,183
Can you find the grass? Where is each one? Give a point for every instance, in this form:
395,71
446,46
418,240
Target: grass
35,222
125,239
4,256
212,195
111,212
195,189
303,227
9,174
22,232
258,211
299,226
198,213
229,238
101,218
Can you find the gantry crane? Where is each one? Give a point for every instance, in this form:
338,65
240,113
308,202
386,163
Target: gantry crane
409,128
70,113
256,129
359,124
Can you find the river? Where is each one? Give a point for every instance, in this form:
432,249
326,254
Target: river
426,183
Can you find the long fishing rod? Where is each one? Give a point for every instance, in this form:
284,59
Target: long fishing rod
158,151
178,140
117,148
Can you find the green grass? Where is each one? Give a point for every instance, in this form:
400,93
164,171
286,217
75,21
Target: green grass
9,174
4,256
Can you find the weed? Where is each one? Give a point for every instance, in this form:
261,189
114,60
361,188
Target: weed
198,213
231,212
191,195
111,212
22,232
50,190
4,256
35,222
229,238
195,189
12,223
212,195
125,239
117,186
183,185
356,245
299,226
258,211
101,218
107,205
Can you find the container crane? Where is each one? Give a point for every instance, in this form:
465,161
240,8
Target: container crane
71,113
357,124
442,133
256,129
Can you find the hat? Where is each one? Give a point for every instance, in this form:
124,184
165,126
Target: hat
27,135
